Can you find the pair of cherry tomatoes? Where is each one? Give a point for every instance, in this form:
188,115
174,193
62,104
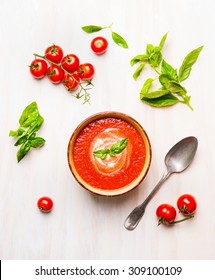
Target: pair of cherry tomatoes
58,68
186,204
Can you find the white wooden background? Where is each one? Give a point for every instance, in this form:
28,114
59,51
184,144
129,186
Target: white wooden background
81,225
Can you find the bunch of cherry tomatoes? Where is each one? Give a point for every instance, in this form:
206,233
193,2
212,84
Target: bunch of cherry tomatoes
166,213
67,69
58,68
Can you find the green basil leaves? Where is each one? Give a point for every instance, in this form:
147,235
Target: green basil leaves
115,149
29,123
119,40
171,90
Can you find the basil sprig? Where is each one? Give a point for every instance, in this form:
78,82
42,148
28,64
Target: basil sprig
119,40
29,123
115,149
171,90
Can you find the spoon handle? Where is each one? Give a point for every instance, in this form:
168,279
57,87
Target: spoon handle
135,216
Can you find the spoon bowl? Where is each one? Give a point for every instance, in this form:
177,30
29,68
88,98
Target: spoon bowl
177,160
181,155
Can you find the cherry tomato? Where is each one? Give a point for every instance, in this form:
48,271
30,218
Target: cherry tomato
38,68
54,53
70,63
55,74
166,213
71,82
99,45
86,71
187,204
45,204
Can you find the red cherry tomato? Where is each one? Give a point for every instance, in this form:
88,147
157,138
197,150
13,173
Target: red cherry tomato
166,213
71,82
45,204
54,53
70,63
55,74
38,68
86,71
99,45
187,204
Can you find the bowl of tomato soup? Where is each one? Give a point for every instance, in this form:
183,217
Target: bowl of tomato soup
109,153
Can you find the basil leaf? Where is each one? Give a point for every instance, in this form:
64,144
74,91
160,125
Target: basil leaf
162,42
119,40
139,58
118,147
175,88
20,141
35,126
163,79
168,70
91,28
102,153
155,59
138,71
23,150
29,115
149,49
16,133
37,142
30,122
187,64
146,87
156,93
163,101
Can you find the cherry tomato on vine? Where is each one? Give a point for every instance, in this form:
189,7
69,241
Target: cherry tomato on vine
54,53
70,63
187,204
55,74
99,45
166,213
86,71
38,68
71,82
45,204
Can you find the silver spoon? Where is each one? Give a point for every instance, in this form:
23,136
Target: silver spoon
177,160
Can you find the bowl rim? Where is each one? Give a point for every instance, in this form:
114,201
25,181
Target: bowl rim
136,182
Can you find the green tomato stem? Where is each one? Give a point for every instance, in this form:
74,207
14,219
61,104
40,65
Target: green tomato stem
182,220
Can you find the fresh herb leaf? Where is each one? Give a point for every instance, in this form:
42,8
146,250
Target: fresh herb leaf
91,28
118,147
155,59
113,151
168,70
163,40
102,153
149,49
163,101
23,150
119,40
30,122
139,58
175,88
146,86
156,94
138,71
37,142
189,60
29,115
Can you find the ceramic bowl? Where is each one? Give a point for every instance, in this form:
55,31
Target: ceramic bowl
108,190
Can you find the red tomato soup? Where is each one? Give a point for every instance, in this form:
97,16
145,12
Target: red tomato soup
113,172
